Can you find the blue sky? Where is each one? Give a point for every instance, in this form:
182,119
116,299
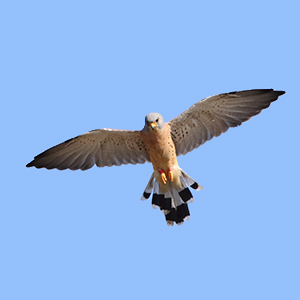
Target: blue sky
68,67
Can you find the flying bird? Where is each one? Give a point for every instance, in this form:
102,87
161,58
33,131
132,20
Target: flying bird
160,143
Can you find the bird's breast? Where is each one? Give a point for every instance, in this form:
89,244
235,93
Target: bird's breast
161,148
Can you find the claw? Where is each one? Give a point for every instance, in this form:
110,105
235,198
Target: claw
163,176
170,174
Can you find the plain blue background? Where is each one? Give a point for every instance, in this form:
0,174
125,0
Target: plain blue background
68,67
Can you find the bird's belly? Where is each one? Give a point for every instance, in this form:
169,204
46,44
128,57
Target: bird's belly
163,158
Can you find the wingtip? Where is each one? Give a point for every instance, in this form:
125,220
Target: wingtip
30,164
280,92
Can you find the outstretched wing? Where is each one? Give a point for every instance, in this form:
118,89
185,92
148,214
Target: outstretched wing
103,147
214,115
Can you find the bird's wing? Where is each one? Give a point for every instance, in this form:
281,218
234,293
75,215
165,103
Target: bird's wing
103,147
214,115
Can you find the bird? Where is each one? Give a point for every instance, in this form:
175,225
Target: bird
160,143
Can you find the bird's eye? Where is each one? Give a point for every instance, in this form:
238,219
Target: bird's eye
156,120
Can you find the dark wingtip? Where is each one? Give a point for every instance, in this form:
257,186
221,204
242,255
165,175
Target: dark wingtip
31,164
280,92
261,91
37,159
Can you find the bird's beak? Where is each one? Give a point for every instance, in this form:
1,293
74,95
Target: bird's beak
152,125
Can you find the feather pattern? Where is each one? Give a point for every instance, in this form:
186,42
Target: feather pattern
103,147
172,201
213,116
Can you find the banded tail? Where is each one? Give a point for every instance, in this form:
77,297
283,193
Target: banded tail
173,202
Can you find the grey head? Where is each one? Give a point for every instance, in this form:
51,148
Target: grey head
154,121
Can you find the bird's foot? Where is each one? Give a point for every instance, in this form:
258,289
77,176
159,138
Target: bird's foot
163,176
170,174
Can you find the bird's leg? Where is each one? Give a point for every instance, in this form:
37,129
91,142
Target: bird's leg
170,174
163,176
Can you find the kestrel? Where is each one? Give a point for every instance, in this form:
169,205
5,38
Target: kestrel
160,143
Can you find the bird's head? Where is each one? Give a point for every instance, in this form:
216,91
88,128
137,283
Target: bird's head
154,121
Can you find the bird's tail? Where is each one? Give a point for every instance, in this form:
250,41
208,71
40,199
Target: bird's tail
173,201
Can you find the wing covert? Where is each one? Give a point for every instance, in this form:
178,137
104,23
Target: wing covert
213,116
103,147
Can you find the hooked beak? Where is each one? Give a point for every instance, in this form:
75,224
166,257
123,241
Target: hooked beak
152,125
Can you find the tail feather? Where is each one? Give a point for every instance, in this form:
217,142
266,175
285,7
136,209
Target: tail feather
148,189
178,215
173,202
190,181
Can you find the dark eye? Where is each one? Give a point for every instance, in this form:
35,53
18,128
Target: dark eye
156,120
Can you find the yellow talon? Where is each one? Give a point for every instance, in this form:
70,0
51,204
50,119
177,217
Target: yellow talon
171,175
163,177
